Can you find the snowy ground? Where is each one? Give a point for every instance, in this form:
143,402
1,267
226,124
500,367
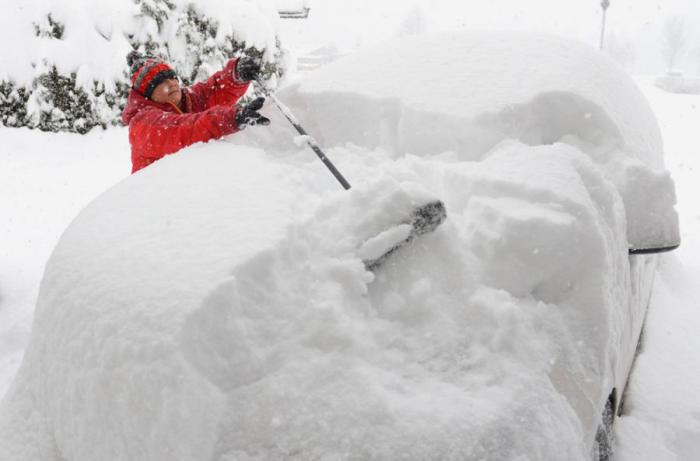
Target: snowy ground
662,415
42,191
45,180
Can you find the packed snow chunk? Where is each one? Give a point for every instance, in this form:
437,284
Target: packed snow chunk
498,224
549,236
649,197
303,140
377,246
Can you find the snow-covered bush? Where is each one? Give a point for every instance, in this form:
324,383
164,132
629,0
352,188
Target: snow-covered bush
70,73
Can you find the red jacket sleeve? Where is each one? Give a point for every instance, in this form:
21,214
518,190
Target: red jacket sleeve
154,133
222,88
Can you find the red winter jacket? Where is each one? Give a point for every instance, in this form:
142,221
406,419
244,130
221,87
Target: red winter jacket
156,130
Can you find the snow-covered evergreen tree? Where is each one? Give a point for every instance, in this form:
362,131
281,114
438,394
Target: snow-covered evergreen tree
413,23
63,64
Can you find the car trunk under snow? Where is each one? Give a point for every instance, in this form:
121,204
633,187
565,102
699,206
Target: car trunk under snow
214,306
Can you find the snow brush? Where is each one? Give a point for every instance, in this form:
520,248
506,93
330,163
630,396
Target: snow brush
423,220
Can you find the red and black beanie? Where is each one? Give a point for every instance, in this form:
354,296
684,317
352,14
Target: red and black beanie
147,72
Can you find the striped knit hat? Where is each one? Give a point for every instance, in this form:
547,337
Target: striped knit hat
147,72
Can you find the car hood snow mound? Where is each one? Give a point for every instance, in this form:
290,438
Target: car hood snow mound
213,306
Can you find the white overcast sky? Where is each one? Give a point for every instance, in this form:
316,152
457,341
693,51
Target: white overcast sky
637,23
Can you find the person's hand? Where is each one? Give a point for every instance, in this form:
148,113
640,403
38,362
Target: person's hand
247,114
247,69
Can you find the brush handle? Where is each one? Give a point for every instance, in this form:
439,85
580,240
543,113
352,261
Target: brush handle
309,140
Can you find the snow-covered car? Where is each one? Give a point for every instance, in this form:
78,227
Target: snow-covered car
676,82
490,90
216,306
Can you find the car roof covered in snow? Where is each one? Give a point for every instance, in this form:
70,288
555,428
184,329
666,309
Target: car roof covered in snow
486,86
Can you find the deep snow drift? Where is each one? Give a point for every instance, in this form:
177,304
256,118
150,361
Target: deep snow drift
214,306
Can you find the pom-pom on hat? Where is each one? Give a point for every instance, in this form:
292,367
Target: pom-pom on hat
147,72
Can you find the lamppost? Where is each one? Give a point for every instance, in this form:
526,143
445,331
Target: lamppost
604,5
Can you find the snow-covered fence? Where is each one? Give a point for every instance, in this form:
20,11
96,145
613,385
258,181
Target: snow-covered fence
293,9
63,66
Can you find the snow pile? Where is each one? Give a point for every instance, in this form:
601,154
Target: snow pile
223,313
70,72
536,89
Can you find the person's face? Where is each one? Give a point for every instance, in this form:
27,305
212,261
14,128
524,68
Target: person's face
167,92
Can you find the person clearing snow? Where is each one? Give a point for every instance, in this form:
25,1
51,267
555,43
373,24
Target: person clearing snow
163,117
235,313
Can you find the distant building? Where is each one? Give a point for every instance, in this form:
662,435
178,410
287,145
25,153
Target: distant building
318,57
292,9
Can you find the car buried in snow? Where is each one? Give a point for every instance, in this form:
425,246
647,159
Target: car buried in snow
214,305
537,91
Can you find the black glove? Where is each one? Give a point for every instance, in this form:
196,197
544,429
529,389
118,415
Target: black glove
247,114
247,69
